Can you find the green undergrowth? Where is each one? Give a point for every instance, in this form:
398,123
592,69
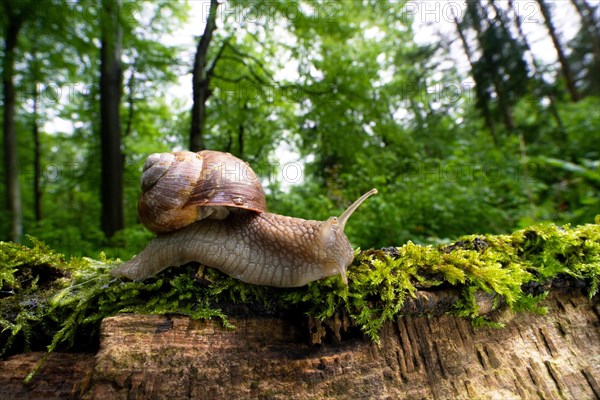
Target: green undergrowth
47,301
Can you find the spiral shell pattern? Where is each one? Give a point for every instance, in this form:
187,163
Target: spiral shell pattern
182,187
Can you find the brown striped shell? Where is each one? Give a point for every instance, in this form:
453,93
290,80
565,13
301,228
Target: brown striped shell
182,187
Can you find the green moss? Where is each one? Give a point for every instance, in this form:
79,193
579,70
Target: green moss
47,301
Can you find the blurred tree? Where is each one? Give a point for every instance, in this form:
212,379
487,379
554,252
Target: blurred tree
110,118
562,58
491,42
201,79
15,14
37,167
585,49
542,89
483,96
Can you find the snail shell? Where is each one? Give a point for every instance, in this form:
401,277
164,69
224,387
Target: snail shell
182,187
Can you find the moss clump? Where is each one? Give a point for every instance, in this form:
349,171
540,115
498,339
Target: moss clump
48,301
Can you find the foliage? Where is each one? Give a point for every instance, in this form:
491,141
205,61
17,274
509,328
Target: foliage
49,301
346,87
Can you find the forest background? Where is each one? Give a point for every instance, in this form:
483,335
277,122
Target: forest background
324,99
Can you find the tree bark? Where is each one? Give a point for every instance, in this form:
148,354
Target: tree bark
11,162
110,122
201,80
562,58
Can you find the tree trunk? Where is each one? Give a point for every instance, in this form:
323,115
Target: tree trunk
110,122
11,164
241,141
491,66
481,92
539,78
37,169
562,58
130,104
586,12
201,81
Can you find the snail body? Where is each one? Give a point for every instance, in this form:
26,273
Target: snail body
230,231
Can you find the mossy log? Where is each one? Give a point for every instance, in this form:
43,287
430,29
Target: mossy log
461,320
555,356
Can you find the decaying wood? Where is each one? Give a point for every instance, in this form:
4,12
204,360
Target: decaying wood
63,376
556,356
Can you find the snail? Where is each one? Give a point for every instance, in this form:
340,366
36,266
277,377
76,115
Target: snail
209,207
